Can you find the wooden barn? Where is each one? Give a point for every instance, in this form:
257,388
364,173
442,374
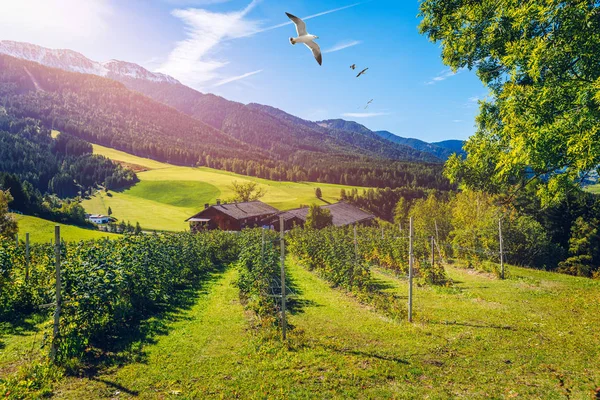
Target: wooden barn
343,214
231,217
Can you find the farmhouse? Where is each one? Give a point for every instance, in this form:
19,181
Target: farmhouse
98,219
231,217
343,214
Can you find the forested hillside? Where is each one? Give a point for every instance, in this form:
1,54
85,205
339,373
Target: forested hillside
103,111
41,172
436,150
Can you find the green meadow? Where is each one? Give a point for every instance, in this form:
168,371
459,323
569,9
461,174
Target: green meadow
42,231
167,195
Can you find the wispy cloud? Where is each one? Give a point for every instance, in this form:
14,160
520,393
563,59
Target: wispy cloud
192,61
456,121
304,18
342,46
237,78
365,115
442,76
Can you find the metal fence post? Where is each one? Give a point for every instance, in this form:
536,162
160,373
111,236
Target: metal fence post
410,270
282,244
58,290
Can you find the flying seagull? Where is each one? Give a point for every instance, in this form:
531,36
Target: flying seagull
362,72
353,66
305,37
367,106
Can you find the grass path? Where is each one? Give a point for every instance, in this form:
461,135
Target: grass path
481,338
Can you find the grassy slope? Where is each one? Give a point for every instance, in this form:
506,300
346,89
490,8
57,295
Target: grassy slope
167,195
593,188
533,335
42,231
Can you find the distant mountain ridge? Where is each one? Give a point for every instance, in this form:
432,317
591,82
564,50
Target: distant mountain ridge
73,61
441,150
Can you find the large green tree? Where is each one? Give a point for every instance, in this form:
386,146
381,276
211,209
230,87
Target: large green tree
246,191
318,218
540,61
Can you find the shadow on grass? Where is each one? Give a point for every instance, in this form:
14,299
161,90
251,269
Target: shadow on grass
115,385
127,344
363,353
381,285
296,304
475,325
21,325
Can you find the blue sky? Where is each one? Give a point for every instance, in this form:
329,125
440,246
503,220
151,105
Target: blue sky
236,49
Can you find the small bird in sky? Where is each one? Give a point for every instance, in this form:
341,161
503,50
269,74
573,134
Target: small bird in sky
305,37
362,72
353,66
369,102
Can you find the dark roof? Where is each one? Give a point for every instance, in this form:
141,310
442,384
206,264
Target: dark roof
342,213
241,210
346,214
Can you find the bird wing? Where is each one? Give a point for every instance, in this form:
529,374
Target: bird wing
316,50
362,72
300,25
353,66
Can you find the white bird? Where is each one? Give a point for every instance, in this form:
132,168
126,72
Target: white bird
305,37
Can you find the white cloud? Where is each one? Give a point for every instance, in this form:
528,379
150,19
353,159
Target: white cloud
442,76
54,23
237,78
365,115
456,121
342,46
191,61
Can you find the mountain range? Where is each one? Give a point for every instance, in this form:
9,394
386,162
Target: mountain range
125,106
225,115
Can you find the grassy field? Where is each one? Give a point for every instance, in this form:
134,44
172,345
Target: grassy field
534,335
42,231
593,188
166,195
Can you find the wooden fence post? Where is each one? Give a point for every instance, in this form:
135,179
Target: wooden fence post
282,244
410,270
432,252
58,290
501,249
27,257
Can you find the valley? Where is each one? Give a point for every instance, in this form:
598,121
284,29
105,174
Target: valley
167,195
